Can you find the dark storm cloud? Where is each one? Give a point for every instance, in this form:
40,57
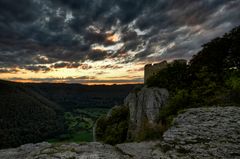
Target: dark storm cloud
111,67
65,65
35,68
20,11
136,70
37,32
86,67
11,70
60,65
96,55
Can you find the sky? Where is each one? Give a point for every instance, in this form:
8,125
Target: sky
104,41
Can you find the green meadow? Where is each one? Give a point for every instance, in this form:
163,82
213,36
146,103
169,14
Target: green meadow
79,125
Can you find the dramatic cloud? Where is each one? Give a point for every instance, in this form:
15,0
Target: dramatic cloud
35,68
111,67
45,35
4,70
66,65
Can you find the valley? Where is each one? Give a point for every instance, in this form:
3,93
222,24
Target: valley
56,113
82,105
79,125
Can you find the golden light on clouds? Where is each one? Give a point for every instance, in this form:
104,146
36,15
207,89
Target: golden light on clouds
90,73
113,38
98,47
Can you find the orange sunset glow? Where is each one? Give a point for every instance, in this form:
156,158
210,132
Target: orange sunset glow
103,42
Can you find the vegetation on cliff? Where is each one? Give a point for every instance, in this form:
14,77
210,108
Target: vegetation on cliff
212,77
113,128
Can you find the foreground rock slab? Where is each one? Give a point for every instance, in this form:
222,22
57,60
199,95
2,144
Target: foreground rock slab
45,150
199,133
212,132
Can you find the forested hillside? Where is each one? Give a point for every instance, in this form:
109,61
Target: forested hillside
75,96
82,105
26,116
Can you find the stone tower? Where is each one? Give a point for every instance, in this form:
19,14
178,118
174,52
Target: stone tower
152,69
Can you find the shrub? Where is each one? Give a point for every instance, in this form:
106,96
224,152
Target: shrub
150,131
112,129
233,83
176,103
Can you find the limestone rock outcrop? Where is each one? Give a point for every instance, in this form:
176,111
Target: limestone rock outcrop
144,106
212,132
45,150
201,133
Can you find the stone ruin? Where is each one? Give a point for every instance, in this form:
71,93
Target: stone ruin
152,69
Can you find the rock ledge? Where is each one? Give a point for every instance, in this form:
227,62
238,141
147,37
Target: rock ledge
202,133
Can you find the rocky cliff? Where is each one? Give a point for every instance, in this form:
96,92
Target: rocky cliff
202,133
144,106
212,132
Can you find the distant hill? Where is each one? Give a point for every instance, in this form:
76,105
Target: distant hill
72,96
26,116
